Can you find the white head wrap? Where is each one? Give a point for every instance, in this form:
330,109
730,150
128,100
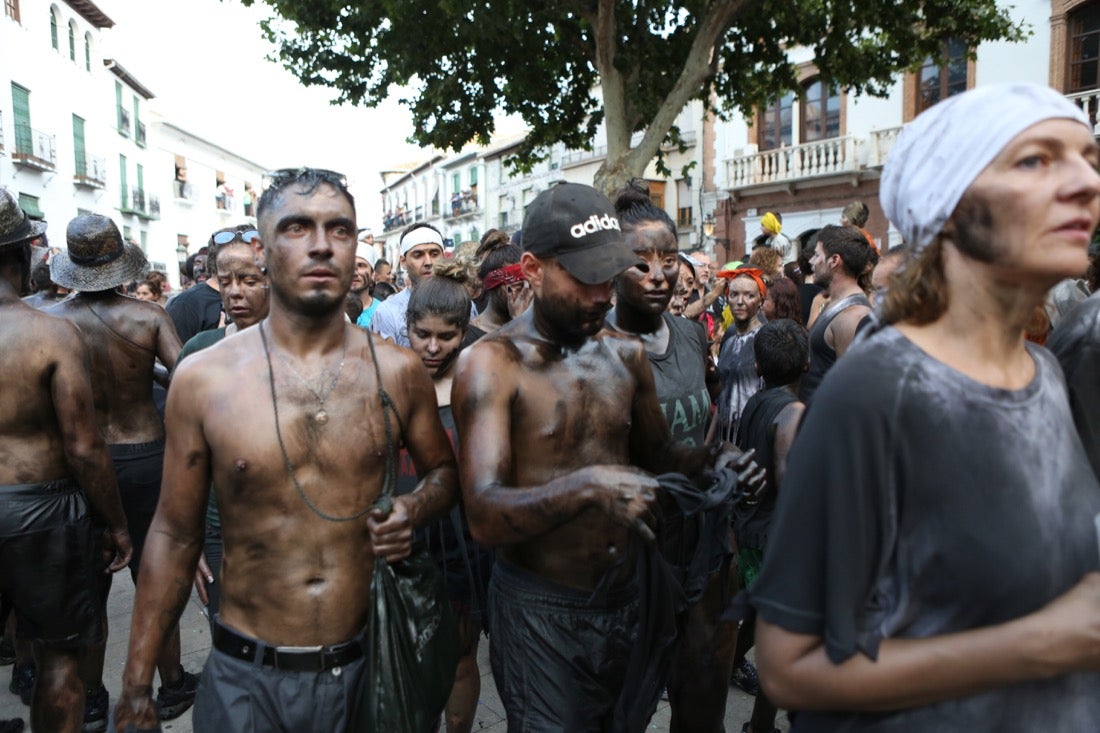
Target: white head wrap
940,153
418,236
366,252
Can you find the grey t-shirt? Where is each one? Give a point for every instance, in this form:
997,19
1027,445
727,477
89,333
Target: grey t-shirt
919,502
737,372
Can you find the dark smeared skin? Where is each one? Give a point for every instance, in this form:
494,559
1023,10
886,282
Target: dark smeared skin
122,373
48,431
289,577
560,430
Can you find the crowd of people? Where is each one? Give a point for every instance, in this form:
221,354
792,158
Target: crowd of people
630,464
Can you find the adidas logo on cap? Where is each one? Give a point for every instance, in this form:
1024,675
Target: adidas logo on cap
593,224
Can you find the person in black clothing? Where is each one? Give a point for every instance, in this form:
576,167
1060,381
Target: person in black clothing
686,380
808,288
768,426
841,258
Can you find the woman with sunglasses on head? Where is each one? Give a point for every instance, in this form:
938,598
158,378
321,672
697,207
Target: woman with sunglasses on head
242,286
438,318
936,528
199,308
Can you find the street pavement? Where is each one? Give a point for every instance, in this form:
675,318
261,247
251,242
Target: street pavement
195,645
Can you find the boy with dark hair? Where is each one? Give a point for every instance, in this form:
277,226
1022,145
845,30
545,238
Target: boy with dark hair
768,425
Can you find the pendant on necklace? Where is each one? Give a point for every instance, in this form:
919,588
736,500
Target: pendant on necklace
321,417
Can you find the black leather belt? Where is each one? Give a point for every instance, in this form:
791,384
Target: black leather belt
289,658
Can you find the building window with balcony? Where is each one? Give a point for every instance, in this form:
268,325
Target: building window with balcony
942,76
72,40
1084,49
820,112
55,20
776,123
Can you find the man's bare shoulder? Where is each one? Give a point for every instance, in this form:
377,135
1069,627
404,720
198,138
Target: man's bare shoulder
229,354
48,327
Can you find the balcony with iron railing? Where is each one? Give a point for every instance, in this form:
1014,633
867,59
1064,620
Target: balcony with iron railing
90,172
153,210
139,134
463,205
123,122
34,148
792,163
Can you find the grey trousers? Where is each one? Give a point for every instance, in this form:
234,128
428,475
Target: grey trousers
235,696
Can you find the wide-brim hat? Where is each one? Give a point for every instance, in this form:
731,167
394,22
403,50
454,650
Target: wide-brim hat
15,226
577,225
97,257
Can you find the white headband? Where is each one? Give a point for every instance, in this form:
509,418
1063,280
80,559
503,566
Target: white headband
940,153
418,236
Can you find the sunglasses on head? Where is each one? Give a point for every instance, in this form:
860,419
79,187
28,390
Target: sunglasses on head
226,237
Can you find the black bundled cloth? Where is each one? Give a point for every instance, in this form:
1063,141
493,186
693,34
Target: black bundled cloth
413,647
666,591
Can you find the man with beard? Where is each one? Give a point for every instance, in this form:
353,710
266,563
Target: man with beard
841,256
421,245
287,419
557,412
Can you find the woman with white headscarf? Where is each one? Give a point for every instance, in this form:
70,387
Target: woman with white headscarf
935,539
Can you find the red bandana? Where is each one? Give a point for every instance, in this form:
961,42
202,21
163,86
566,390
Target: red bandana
507,275
754,272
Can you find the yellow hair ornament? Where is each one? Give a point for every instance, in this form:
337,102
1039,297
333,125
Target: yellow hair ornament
771,224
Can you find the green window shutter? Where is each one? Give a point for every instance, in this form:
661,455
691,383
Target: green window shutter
53,29
140,177
137,117
78,146
21,107
118,102
473,177
29,204
456,179
72,41
124,190
87,52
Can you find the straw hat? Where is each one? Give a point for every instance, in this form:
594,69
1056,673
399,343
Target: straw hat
97,258
15,226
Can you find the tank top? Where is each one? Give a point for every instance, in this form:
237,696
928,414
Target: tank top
823,356
755,432
679,375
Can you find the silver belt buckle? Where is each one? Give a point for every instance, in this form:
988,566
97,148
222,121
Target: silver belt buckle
297,650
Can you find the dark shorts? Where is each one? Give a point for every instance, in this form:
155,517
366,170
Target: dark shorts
48,563
138,467
559,662
235,695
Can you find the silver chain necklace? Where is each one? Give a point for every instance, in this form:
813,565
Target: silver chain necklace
321,416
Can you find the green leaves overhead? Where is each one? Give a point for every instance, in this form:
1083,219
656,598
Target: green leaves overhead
460,61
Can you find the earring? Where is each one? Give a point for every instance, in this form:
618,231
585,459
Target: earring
263,269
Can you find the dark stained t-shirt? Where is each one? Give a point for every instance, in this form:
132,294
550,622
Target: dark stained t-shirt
1076,343
919,502
680,378
199,308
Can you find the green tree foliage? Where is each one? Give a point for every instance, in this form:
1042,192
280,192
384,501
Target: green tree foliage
546,59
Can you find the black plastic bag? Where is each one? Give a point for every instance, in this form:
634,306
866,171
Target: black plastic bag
413,649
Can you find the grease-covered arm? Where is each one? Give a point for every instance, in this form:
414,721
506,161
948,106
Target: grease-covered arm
85,448
172,549
431,452
501,513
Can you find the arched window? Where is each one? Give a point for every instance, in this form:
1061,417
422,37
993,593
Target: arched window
775,128
72,40
820,112
942,76
87,51
1084,48
54,20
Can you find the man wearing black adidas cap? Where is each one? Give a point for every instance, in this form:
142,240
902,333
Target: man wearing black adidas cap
559,424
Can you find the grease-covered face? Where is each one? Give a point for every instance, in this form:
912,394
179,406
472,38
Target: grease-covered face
649,286
743,296
1032,212
242,285
436,341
